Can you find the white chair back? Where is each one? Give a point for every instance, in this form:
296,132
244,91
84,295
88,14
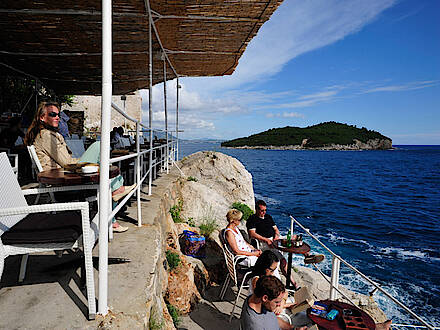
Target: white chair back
34,158
76,146
11,194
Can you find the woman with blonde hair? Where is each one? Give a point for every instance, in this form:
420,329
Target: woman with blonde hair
235,239
52,150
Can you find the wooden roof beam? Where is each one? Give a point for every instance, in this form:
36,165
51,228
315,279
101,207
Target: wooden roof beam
207,18
66,12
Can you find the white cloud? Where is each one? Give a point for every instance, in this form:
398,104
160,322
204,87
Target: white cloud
284,115
297,27
403,87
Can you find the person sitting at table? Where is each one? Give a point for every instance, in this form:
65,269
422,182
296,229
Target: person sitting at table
258,309
261,227
268,265
235,239
53,152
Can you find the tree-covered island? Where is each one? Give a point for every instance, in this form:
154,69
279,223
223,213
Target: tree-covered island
329,136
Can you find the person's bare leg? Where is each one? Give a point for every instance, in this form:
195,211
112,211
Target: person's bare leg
119,190
284,271
384,325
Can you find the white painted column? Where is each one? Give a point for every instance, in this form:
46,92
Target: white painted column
150,99
104,206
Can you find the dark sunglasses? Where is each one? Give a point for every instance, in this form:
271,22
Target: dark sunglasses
53,114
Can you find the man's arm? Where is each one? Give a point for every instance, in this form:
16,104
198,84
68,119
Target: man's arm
253,234
277,233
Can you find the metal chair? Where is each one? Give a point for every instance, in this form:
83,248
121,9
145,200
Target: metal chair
28,229
232,263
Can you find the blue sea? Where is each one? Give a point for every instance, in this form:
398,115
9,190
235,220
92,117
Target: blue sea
379,210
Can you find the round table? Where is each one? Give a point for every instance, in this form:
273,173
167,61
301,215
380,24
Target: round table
357,320
303,249
62,177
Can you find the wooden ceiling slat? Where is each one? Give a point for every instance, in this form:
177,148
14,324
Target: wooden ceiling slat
32,33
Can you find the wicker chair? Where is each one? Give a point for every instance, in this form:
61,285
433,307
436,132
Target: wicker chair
234,272
28,229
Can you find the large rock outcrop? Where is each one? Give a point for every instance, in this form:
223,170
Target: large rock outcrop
220,181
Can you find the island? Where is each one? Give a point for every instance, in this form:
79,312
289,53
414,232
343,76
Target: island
325,136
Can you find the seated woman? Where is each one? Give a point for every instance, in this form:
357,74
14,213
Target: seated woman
236,241
53,152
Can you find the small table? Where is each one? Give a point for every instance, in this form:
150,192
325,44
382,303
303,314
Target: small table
338,323
303,249
62,177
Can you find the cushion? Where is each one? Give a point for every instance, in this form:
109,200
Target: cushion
38,228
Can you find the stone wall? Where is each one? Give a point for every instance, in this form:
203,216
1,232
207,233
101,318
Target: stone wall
91,106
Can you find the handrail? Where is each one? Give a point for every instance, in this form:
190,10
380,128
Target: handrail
377,286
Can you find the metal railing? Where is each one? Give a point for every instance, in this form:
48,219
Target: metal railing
334,281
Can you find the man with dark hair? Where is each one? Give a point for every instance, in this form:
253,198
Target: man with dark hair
257,312
261,227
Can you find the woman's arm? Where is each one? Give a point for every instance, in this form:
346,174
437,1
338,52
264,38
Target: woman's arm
230,238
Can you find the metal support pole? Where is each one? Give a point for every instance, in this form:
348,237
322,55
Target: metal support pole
335,278
106,101
150,99
177,120
124,98
165,108
138,175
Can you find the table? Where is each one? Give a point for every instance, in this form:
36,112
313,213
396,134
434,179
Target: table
62,177
303,249
357,321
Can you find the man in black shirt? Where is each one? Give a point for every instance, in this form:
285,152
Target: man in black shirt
261,227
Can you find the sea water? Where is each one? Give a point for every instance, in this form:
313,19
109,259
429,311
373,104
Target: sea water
379,210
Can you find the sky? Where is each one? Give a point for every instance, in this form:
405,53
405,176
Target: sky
373,64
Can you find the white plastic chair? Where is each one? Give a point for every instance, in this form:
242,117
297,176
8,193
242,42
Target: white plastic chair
36,165
232,262
17,217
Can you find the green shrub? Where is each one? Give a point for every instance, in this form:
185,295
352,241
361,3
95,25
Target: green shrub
246,210
174,314
173,259
208,223
175,212
191,178
191,222
154,323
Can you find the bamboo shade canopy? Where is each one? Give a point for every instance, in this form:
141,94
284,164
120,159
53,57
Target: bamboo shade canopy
59,42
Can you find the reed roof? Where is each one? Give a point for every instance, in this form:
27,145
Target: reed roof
59,42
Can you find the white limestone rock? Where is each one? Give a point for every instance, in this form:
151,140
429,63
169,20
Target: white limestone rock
221,181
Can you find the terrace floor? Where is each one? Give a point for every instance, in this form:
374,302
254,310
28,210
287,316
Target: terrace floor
50,298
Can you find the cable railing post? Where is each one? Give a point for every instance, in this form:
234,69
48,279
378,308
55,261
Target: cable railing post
165,107
177,120
334,278
138,175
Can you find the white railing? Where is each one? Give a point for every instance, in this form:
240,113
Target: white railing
334,282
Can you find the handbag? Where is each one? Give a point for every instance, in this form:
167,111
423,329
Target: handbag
192,243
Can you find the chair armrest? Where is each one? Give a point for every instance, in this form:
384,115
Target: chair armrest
60,188
80,206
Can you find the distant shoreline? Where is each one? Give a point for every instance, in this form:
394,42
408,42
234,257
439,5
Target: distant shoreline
299,148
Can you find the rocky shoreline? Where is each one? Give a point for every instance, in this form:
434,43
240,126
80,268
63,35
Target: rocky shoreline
375,144
210,183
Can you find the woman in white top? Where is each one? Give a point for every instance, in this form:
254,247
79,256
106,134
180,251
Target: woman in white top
235,239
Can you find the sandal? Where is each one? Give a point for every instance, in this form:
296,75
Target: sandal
314,259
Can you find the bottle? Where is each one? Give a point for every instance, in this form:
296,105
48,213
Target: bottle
289,239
